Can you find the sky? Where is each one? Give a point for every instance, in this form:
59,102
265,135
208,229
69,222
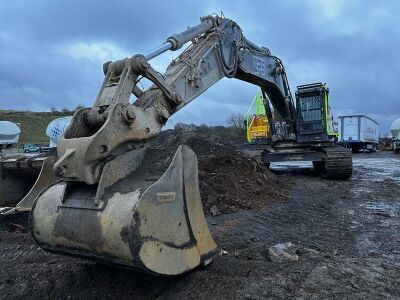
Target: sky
52,52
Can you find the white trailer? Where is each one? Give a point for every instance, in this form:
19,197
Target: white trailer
358,132
395,130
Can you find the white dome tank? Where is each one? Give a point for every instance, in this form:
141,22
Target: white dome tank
395,129
9,133
56,128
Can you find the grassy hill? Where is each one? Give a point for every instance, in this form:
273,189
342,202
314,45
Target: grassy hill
33,124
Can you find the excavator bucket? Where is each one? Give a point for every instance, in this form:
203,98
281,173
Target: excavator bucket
16,185
152,224
22,181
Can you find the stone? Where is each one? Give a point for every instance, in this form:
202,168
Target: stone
282,252
214,210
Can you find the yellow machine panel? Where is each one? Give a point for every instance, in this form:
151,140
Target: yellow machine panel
258,127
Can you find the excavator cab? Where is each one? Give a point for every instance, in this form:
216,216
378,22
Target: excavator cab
315,136
314,119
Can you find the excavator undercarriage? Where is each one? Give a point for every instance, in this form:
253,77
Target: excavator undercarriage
330,161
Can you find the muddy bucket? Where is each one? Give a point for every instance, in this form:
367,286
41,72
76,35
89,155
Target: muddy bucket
155,225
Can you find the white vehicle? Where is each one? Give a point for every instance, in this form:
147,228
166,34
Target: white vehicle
395,130
358,132
9,133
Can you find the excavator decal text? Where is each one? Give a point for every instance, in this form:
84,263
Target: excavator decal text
259,65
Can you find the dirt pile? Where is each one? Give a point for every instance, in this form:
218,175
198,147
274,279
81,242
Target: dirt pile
229,180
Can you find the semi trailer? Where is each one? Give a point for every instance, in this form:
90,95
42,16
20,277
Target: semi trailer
358,132
395,130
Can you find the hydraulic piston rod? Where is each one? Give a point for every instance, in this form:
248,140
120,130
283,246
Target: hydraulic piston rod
158,50
176,41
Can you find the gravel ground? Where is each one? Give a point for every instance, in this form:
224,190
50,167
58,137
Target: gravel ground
346,234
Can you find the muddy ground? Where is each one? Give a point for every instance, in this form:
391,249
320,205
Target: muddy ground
347,234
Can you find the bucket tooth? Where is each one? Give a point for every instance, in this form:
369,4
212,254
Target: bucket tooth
161,229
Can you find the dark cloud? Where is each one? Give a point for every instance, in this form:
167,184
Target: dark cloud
52,51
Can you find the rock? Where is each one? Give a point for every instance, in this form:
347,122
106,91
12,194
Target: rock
22,286
354,285
282,252
16,227
304,250
214,210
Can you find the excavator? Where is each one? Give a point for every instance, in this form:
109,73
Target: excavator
104,207
315,132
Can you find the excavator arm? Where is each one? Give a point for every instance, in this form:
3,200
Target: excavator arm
113,125
103,208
